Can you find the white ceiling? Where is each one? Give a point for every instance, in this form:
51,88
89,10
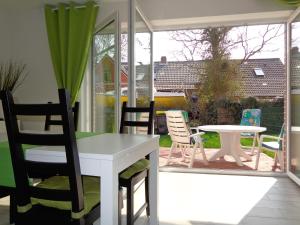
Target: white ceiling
181,14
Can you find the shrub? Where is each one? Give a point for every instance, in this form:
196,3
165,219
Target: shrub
249,103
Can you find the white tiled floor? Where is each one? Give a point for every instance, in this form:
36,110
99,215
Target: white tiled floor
202,199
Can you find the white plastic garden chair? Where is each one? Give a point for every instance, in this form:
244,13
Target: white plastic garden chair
182,137
275,145
251,117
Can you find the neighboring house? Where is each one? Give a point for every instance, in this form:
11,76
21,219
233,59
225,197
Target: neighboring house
261,78
105,75
295,69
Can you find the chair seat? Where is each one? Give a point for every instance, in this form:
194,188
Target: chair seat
135,168
274,145
91,189
247,135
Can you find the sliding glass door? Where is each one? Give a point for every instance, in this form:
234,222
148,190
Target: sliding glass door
140,61
106,76
293,65
143,60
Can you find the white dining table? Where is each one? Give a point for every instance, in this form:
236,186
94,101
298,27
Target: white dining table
230,136
106,155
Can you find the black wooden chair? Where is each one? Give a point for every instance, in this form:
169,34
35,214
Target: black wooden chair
10,191
140,170
67,198
58,122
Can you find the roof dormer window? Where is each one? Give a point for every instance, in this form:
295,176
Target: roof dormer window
259,72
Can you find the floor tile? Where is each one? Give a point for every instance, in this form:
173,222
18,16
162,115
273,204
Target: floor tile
208,199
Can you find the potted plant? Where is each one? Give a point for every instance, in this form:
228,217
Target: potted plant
12,74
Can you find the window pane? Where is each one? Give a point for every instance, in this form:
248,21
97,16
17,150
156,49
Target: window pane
295,97
104,76
143,62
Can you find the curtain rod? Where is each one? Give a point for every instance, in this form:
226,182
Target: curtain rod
77,7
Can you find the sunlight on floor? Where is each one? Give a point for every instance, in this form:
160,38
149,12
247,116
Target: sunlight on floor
209,198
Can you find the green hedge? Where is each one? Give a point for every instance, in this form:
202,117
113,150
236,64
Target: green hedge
272,117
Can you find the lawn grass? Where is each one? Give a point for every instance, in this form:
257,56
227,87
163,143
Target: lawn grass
211,140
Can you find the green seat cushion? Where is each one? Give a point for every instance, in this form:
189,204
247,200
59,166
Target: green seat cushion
135,168
91,189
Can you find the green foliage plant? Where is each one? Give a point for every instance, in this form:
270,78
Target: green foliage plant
12,75
291,2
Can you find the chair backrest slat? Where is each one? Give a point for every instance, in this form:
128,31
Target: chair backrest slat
58,122
177,127
41,139
143,122
281,136
24,169
37,109
45,170
136,123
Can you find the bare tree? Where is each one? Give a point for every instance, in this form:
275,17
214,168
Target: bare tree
194,43
191,41
104,45
253,45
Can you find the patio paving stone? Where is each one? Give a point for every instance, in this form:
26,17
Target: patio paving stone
265,162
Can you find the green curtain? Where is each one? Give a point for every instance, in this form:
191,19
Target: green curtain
70,30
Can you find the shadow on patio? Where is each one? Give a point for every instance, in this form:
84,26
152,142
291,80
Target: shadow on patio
265,162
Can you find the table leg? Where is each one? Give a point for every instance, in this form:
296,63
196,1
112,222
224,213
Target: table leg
218,154
153,182
243,154
109,193
230,142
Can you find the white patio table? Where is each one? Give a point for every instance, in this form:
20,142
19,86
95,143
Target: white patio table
230,140
106,155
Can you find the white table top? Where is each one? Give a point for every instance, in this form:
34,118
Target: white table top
103,146
232,128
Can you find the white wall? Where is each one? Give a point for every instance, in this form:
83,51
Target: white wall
30,44
5,35
25,40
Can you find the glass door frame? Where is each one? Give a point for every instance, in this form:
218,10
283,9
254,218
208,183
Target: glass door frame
133,8
149,26
113,18
289,115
